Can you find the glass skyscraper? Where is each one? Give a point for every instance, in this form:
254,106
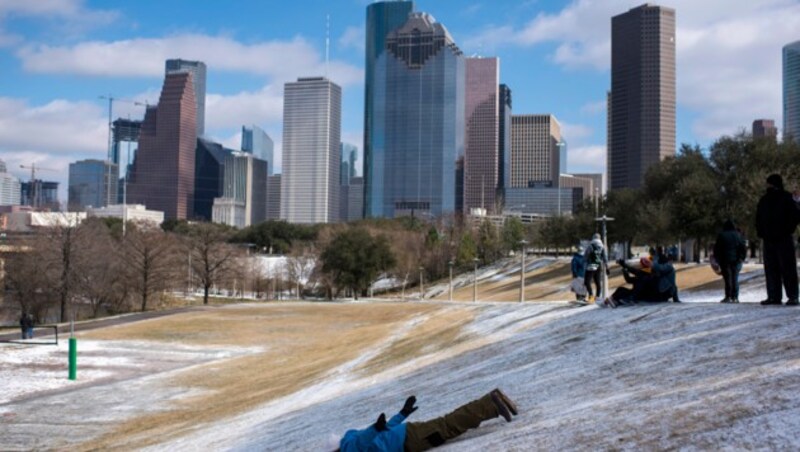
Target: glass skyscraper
9,188
256,142
416,122
791,91
92,183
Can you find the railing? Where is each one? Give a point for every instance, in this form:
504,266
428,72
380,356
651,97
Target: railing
41,338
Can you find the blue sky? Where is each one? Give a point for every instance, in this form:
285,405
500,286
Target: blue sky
58,56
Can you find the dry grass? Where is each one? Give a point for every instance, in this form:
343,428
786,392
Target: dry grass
293,359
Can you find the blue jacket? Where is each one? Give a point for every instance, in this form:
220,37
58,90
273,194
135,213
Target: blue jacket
371,440
665,273
578,265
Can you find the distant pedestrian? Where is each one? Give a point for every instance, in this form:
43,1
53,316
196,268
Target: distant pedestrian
596,261
26,324
730,251
578,266
777,217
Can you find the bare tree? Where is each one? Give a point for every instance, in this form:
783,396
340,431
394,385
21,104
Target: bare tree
213,258
27,278
300,266
100,279
149,255
61,247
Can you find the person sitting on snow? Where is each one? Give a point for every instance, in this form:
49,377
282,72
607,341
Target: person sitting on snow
642,279
666,286
396,435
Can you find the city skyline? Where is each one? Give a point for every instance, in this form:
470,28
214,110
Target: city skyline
59,63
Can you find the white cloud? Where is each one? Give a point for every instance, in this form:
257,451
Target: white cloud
586,159
353,38
594,108
575,133
728,52
144,57
226,111
71,17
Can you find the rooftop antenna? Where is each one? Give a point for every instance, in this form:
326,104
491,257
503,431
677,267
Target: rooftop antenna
327,43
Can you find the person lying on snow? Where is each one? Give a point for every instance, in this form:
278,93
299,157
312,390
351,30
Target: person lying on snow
396,435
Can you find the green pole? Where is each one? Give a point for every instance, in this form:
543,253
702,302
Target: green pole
73,351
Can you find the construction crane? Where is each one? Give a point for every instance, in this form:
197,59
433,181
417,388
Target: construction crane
35,194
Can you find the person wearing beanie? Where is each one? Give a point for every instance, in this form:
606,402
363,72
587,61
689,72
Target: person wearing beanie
730,251
596,261
777,217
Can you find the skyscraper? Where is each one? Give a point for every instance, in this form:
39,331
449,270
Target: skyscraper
198,71
244,196
40,194
481,156
642,100
417,122
9,188
535,153
348,168
89,182
312,128
504,138
274,197
764,128
256,142
382,17
164,168
209,175
791,91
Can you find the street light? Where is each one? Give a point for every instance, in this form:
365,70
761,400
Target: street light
475,261
605,219
450,264
522,272
421,283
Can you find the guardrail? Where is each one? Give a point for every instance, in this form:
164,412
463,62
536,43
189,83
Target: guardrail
39,338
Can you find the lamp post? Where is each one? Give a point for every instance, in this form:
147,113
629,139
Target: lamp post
450,264
522,272
421,283
605,219
475,261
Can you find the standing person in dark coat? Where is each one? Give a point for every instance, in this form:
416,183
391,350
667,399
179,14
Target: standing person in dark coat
730,250
578,266
777,217
26,323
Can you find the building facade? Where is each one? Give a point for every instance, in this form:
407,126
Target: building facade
163,172
274,197
92,183
535,151
504,138
482,122
764,128
642,99
312,112
209,171
543,200
127,212
349,155
791,91
244,188
41,195
355,199
417,123
10,189
598,182
382,18
198,71
256,142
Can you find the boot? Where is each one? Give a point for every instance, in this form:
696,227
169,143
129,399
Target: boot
509,403
502,408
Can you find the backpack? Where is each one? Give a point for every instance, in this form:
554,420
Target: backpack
595,258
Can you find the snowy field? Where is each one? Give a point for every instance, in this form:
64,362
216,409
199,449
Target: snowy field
691,376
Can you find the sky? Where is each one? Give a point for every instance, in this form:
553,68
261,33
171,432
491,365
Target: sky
57,57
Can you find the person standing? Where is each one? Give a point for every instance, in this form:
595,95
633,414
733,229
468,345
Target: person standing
578,266
26,324
596,260
777,217
730,250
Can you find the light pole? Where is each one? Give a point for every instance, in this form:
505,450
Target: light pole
450,264
604,219
475,261
522,272
421,283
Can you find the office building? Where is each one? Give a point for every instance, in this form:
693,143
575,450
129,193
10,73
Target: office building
127,212
417,123
481,153
274,197
535,151
598,182
209,171
10,188
198,71
41,195
348,166
791,91
355,199
764,128
256,142
163,172
244,195
312,112
504,138
382,18
642,100
92,183
543,200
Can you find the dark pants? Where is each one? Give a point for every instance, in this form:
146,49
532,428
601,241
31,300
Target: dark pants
623,294
592,275
426,435
730,274
780,268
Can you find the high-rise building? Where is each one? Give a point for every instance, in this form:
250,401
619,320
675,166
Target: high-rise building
209,172
125,137
535,152
642,100
764,128
163,171
244,195
312,128
256,142
348,166
382,17
41,195
198,71
91,183
355,199
481,153
598,182
9,188
791,91
274,197
504,138
417,122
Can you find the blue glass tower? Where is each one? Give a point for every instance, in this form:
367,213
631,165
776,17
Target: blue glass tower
417,122
791,91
